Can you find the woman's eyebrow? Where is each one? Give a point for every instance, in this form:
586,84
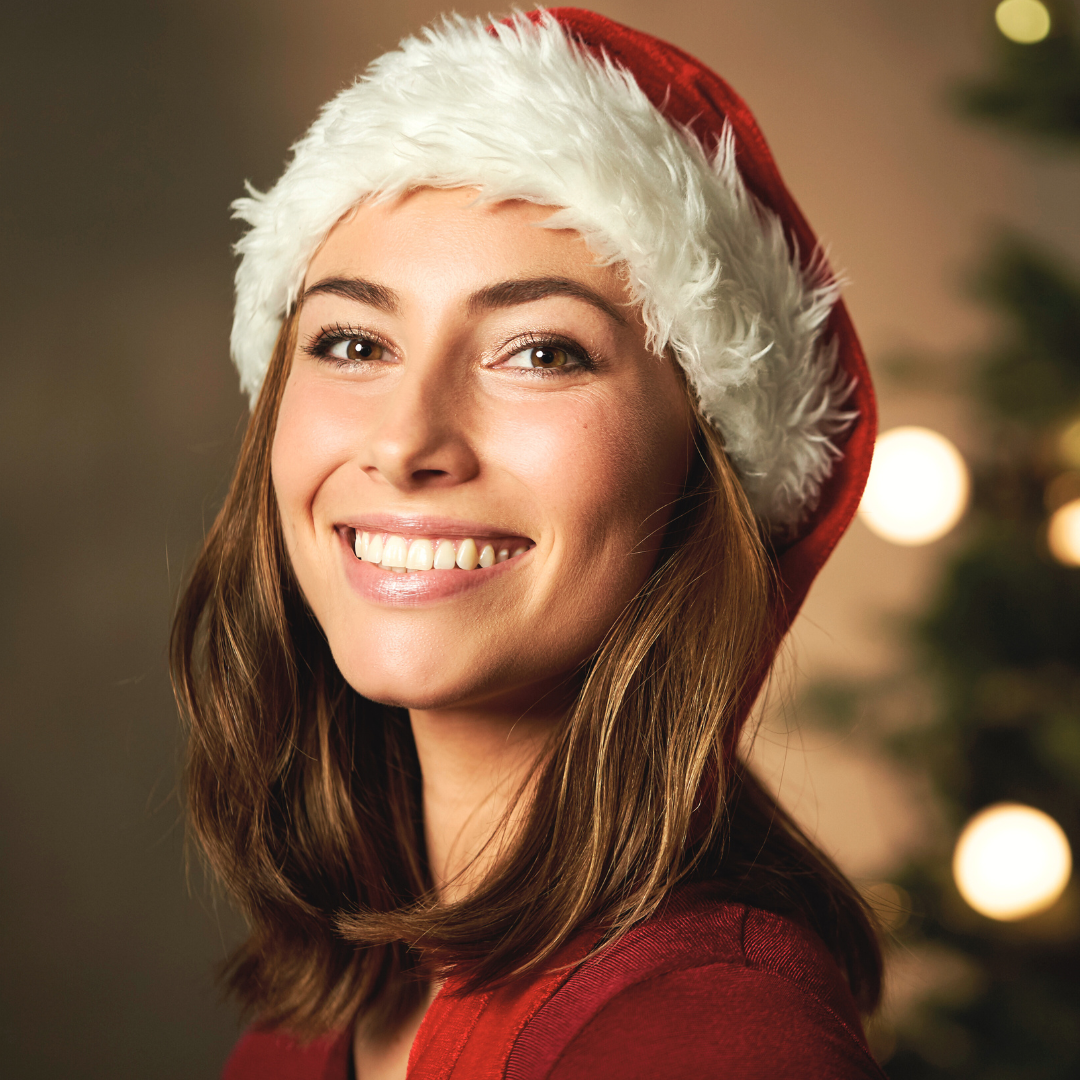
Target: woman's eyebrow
502,294
363,292
525,290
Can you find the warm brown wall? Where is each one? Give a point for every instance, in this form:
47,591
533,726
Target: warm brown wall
127,126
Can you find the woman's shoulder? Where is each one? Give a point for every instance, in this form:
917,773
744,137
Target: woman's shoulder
705,986
266,1054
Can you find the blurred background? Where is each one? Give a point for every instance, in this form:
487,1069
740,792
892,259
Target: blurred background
935,673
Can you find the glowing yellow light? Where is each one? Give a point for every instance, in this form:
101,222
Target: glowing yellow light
1011,861
1023,21
1064,533
1069,444
918,486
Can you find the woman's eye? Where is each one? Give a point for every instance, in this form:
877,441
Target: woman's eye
542,356
355,349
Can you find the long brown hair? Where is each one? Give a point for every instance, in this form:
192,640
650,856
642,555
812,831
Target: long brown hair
305,797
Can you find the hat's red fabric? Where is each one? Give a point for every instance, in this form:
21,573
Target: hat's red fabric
690,95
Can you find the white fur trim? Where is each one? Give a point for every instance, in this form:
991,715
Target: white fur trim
527,113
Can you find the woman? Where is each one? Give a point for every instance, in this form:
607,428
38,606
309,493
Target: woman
556,414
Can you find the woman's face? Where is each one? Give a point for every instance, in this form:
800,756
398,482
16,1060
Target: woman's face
472,407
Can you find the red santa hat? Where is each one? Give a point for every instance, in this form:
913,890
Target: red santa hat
660,166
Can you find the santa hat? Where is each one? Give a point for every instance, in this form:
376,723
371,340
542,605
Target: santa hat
660,166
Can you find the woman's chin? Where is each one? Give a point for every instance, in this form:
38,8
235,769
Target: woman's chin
452,685
418,686
409,698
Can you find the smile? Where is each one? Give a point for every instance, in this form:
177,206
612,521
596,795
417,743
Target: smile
400,555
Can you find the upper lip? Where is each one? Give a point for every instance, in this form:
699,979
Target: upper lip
426,525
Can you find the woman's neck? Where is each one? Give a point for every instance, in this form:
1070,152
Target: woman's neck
473,763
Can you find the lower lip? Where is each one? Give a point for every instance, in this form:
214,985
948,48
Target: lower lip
417,587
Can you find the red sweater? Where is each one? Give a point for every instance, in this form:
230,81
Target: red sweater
705,989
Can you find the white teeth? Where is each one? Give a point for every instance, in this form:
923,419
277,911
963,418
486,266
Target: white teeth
467,556
400,555
374,548
421,555
445,559
395,553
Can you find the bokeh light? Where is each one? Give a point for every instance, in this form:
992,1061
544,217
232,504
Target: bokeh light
918,486
1069,444
1011,861
1023,21
1063,534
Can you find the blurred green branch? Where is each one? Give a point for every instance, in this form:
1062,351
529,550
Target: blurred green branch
1033,89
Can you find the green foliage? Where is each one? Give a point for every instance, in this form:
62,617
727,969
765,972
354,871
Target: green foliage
999,643
1033,375
1035,89
1018,1018
1003,606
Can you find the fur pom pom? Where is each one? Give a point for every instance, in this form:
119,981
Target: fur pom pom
520,111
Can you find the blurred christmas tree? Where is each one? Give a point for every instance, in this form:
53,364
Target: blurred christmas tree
1036,87
1000,646
999,649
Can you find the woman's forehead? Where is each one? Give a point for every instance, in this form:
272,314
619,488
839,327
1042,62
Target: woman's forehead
454,234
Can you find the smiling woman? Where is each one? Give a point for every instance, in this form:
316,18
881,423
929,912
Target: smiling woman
556,414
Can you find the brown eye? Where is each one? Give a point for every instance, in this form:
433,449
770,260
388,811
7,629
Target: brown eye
362,349
545,356
542,356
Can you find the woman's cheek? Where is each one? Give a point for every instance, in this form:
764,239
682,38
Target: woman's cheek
590,466
287,471
566,449
314,437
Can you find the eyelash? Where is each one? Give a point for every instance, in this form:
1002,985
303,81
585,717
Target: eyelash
536,340
319,347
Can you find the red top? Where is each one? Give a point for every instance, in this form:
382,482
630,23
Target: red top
705,988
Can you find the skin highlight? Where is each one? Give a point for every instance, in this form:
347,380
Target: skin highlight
445,422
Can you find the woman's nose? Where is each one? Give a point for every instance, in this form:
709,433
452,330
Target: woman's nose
421,434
